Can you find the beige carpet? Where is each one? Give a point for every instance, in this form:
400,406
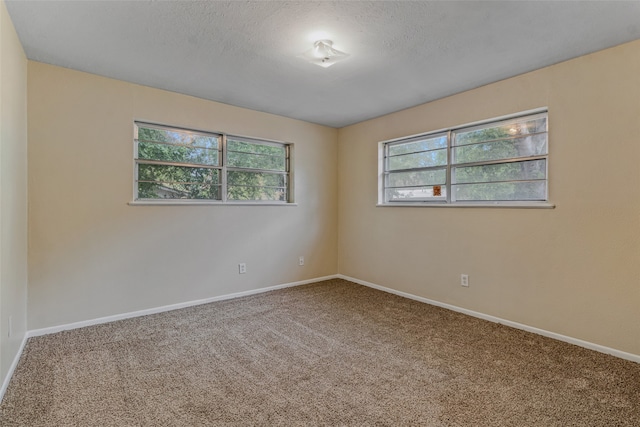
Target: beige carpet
332,353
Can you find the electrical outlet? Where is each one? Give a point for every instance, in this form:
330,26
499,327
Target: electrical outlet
242,268
464,280
301,260
10,326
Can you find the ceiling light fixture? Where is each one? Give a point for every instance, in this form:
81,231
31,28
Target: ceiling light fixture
324,54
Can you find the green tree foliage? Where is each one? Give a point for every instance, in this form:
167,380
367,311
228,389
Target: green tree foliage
177,182
497,181
255,171
267,180
501,181
423,153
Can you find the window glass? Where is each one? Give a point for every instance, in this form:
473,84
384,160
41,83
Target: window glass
174,163
497,161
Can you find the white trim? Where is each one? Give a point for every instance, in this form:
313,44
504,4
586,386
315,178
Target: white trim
222,166
512,205
122,316
107,319
383,172
586,344
14,365
533,111
51,330
178,202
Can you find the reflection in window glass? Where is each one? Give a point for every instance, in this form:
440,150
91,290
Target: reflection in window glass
497,161
182,164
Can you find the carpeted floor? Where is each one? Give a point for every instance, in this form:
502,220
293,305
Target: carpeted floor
332,353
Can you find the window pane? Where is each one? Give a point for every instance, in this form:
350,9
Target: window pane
502,149
421,145
418,160
507,191
516,171
247,185
174,163
505,160
256,179
178,137
177,154
257,193
178,174
256,161
416,193
172,190
256,148
505,129
415,178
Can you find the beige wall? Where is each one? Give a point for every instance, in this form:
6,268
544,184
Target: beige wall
13,192
573,270
91,254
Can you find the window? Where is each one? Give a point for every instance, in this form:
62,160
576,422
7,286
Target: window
174,164
256,170
498,162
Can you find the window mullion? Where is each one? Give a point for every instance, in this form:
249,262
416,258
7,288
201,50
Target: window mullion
509,171
501,161
135,161
178,164
223,178
135,180
273,171
269,177
385,178
449,188
287,165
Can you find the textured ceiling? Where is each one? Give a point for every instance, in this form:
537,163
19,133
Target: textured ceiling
245,53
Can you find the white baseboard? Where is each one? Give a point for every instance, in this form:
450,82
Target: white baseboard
115,317
13,367
586,344
107,319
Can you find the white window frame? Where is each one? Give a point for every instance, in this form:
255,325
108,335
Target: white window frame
222,167
447,200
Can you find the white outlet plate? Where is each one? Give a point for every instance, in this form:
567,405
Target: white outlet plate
242,268
10,326
301,260
464,280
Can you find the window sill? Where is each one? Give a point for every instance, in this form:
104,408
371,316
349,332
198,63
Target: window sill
204,203
509,205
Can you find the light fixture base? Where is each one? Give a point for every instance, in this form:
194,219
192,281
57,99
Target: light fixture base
324,54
